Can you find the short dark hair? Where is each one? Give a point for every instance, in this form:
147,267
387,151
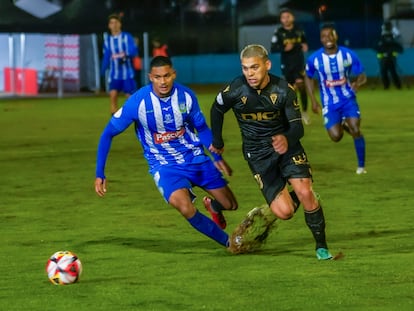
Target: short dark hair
115,16
328,25
285,10
159,61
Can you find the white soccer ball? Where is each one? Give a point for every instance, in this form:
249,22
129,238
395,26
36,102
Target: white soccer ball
63,268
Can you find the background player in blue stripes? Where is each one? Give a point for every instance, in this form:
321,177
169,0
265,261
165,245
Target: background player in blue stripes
119,49
174,134
335,66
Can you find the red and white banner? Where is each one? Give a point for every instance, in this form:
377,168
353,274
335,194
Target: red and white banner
62,55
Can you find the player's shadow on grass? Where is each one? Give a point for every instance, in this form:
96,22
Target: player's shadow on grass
371,239
156,245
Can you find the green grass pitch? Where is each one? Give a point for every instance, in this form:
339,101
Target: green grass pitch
140,254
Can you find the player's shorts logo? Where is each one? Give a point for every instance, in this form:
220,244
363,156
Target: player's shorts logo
259,180
300,159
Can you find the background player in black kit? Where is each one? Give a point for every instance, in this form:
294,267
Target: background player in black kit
269,118
290,41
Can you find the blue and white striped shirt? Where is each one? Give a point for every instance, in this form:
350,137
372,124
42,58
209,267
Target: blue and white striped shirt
118,52
171,130
334,72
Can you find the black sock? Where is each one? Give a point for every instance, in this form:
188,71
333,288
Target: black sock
316,223
295,199
217,207
304,99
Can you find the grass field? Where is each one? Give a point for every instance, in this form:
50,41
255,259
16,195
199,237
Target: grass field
139,254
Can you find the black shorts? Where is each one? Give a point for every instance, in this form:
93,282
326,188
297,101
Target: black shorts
272,172
292,73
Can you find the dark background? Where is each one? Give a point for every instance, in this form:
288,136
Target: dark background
188,31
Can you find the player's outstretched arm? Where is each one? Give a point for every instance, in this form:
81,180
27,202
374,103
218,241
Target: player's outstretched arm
310,89
103,149
360,80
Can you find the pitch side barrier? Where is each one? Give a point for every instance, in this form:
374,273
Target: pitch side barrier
222,68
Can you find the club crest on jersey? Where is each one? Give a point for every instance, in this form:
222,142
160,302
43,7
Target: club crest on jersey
244,100
168,119
273,98
182,107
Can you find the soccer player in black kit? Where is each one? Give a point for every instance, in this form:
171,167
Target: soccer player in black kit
269,118
290,41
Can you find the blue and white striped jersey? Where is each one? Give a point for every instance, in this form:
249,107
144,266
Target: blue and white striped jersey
334,73
171,130
118,52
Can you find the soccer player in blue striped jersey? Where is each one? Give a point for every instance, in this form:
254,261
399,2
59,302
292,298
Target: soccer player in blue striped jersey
340,75
174,135
119,49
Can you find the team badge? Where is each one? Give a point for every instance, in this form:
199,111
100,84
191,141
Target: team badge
300,159
244,99
182,107
273,98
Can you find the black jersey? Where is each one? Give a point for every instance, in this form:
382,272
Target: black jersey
281,38
260,114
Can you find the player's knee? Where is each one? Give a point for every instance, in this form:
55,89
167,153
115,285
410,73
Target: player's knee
336,137
307,199
231,205
283,213
355,132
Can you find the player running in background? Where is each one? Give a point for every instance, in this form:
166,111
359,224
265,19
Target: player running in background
173,133
334,66
119,49
290,41
269,118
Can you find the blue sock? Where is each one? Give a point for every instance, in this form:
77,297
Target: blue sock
206,226
360,150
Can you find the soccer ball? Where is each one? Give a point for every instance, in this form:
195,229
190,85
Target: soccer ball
63,268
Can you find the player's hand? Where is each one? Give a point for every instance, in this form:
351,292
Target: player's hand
215,150
100,186
222,166
280,143
355,86
289,46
